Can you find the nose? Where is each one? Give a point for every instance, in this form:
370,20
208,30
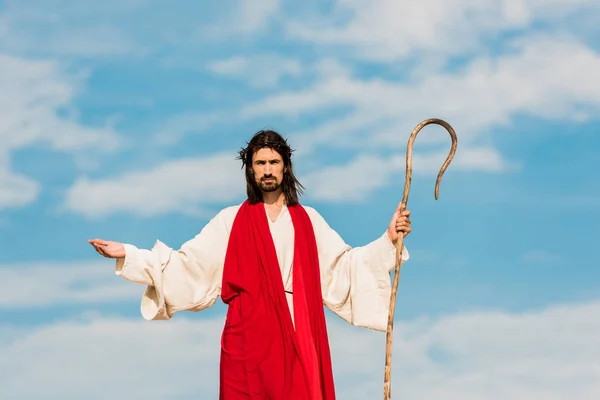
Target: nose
268,169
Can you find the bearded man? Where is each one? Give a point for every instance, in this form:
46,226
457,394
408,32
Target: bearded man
275,263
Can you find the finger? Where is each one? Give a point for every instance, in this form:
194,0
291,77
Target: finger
100,250
403,234
97,248
405,213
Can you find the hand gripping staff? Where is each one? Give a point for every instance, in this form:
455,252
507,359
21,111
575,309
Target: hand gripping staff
387,386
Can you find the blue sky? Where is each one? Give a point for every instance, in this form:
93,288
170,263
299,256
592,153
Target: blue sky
122,120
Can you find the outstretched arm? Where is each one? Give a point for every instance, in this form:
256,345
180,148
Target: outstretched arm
185,279
356,281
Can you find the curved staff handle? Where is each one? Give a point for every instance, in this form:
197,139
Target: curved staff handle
387,386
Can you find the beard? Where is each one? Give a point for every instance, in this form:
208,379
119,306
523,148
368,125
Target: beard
269,186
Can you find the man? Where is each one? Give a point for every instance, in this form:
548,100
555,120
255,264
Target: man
275,264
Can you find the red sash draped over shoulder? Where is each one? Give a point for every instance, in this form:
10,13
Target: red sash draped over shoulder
263,355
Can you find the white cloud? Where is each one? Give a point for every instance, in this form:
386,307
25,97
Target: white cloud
188,186
325,93
552,78
16,189
35,108
356,180
387,30
549,354
181,186
126,28
110,358
179,126
263,70
48,284
255,14
350,182
69,29
234,66
35,96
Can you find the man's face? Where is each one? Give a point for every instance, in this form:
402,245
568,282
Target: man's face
268,169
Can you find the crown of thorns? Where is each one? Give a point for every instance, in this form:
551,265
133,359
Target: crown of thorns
282,148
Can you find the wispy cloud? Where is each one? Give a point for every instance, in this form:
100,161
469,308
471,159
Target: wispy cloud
51,284
544,77
182,125
189,186
253,15
179,186
387,30
34,99
110,358
70,30
127,29
356,180
36,108
470,356
262,70
16,189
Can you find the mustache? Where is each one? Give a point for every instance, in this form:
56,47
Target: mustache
264,178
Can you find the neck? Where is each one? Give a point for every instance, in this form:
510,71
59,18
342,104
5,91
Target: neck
274,198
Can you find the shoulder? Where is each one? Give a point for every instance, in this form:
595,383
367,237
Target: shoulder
315,217
229,212
324,233
224,218
310,210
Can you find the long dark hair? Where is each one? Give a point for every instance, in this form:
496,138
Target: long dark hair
291,187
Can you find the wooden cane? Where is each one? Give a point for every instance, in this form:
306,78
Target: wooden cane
387,385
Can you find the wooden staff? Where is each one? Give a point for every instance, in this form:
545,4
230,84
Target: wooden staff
387,385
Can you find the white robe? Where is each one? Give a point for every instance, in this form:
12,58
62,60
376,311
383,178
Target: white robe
355,282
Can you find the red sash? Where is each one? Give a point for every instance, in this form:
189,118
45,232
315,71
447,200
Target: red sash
262,355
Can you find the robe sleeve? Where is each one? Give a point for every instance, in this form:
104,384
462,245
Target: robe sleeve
356,282
188,279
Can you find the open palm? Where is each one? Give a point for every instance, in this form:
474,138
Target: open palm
107,248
